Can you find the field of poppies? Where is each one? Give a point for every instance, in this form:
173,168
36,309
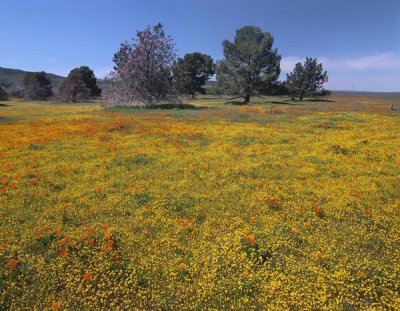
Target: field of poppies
271,206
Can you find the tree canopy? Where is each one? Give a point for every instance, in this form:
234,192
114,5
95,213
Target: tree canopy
307,79
80,84
37,86
89,79
249,63
74,88
192,72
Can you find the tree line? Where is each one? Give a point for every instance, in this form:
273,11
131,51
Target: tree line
80,84
147,71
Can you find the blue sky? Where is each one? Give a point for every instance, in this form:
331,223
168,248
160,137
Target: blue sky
358,41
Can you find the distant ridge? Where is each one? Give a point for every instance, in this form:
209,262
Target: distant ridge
12,79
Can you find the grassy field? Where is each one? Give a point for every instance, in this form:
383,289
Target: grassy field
277,205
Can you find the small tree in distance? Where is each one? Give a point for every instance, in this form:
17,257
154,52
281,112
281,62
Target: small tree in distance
37,86
143,69
74,88
250,63
3,94
192,72
80,85
307,79
89,79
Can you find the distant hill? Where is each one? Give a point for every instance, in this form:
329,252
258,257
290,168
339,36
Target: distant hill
12,79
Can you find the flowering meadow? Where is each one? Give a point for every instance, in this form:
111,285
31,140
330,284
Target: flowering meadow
270,206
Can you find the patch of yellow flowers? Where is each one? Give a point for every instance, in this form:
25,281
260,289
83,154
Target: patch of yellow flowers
232,208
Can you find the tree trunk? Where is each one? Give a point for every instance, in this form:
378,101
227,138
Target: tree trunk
193,95
301,97
247,99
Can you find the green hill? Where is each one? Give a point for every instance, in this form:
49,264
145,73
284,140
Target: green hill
12,79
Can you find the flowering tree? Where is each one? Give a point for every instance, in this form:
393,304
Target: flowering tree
143,69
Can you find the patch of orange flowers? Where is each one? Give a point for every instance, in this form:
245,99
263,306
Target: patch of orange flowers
360,274
62,252
250,239
274,203
56,305
87,276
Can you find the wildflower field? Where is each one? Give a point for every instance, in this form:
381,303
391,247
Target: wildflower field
270,206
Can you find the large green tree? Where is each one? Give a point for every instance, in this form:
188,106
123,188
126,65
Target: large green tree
192,72
249,63
307,79
37,86
89,79
74,88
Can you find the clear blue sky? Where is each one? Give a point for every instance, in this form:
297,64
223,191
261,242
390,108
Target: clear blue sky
357,40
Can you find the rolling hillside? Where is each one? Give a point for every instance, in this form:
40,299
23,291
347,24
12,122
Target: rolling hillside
12,79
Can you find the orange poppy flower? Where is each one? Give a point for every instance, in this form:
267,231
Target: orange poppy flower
250,239
12,263
90,241
316,209
105,248
37,234
360,274
368,212
62,252
87,276
107,235
57,231
182,266
89,231
318,255
64,240
73,244
13,183
56,305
